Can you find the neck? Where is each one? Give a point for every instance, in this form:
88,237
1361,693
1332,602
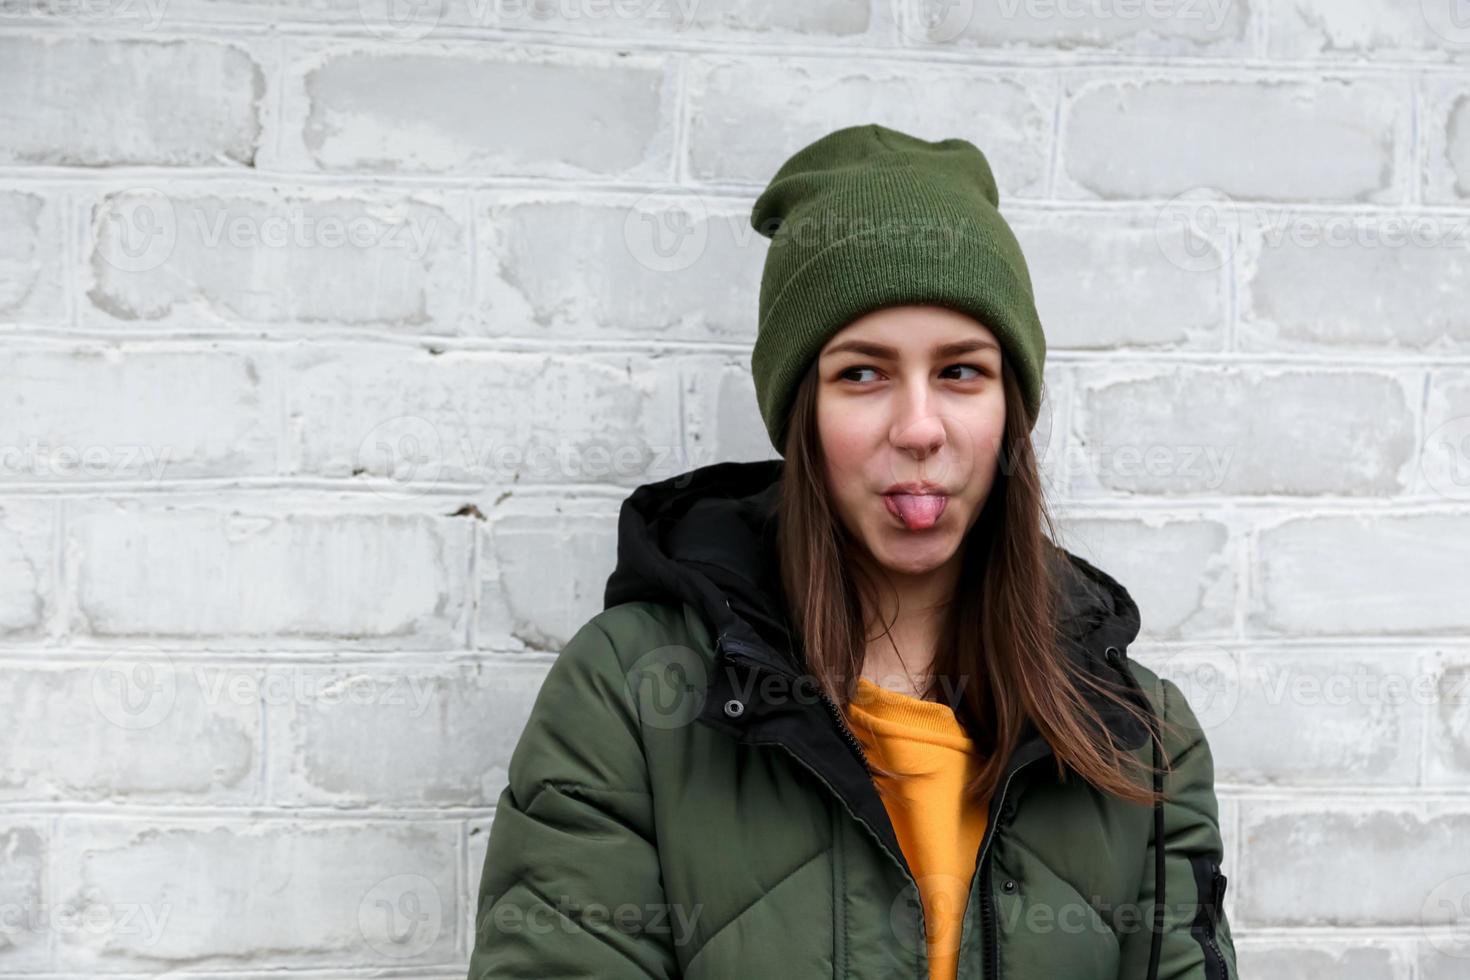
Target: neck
902,624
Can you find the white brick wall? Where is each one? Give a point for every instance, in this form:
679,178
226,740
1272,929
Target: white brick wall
335,332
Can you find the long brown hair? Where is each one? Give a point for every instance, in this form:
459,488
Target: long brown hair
999,658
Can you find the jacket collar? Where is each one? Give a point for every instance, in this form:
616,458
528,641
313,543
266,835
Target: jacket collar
706,537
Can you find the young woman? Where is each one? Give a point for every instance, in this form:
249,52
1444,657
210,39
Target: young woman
849,713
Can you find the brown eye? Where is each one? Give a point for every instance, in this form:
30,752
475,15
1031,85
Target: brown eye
979,371
852,369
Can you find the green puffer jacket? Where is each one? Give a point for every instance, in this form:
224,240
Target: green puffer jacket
682,804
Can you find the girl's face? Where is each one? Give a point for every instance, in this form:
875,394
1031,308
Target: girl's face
910,413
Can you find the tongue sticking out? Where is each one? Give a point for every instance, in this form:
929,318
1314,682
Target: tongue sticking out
917,511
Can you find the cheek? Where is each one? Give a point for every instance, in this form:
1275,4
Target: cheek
845,440
985,421
847,449
977,447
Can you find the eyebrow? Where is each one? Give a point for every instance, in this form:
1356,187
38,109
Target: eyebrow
869,349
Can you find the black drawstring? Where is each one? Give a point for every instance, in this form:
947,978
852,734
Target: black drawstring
1115,657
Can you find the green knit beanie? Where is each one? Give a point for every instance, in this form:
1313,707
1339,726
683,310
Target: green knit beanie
868,217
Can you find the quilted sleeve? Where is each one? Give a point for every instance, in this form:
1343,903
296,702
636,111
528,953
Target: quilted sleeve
571,884
1196,943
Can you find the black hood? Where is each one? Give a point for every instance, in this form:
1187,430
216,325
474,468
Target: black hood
707,537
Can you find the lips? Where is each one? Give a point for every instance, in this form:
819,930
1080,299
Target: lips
916,506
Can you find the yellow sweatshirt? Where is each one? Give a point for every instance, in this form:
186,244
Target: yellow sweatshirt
939,830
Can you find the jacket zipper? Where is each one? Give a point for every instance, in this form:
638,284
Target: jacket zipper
1216,900
1219,956
852,740
989,942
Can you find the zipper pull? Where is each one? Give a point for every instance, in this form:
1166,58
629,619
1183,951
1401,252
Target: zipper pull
1218,882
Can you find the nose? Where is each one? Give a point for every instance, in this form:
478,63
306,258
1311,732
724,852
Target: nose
917,428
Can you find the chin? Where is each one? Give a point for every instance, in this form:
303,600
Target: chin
913,553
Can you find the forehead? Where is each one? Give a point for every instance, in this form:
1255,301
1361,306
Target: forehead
911,329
